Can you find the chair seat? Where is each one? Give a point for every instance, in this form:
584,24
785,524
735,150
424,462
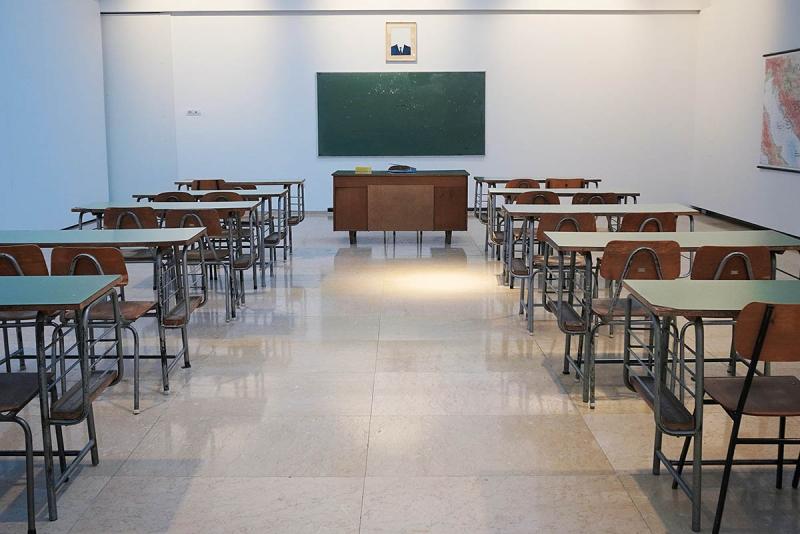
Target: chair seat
774,396
17,390
602,307
131,310
294,220
193,256
70,405
17,315
138,254
552,261
243,261
177,316
274,238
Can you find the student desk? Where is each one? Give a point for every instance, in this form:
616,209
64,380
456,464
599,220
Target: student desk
228,210
386,201
535,211
695,300
171,282
47,296
275,211
586,243
297,195
480,200
511,193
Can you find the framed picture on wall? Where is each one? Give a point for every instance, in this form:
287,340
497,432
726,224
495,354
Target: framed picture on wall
780,130
401,41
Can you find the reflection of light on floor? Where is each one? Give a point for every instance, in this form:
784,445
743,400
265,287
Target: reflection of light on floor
436,282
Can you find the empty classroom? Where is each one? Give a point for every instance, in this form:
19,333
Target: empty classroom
348,266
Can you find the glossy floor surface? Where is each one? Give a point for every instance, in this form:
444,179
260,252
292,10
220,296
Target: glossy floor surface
385,388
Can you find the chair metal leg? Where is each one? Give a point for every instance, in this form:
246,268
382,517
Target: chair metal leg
682,461
162,342
726,474
135,336
781,435
29,480
93,435
22,365
796,478
185,339
7,350
521,296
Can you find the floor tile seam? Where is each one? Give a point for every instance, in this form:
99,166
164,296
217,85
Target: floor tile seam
369,424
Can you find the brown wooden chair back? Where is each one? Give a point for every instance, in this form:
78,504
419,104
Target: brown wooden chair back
537,197
129,218
731,263
209,219
565,183
208,183
649,222
221,196
641,260
595,198
174,196
523,183
66,261
245,187
26,260
562,222
780,336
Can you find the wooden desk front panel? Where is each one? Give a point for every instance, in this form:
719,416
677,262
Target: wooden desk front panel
404,202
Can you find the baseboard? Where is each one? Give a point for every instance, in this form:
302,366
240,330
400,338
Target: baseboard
740,222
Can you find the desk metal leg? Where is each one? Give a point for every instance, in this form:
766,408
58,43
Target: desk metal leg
588,353
44,409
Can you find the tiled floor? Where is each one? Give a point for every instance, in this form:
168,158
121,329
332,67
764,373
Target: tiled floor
384,388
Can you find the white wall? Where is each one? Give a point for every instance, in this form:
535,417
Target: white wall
567,94
52,128
137,60
733,35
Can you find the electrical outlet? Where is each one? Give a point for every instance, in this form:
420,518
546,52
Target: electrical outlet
193,113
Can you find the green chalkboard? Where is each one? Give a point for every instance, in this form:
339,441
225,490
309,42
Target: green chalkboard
401,113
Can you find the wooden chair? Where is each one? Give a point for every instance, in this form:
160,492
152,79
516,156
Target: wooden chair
530,197
207,184
727,263
18,389
764,333
566,183
533,262
595,198
649,222
214,250
626,260
108,260
244,232
174,196
138,218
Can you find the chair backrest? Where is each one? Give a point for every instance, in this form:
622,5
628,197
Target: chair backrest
595,198
221,196
565,183
208,183
129,218
245,187
779,323
67,261
523,183
196,219
641,260
26,260
649,222
731,263
174,196
537,197
565,222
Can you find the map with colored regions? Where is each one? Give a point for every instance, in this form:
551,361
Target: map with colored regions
780,132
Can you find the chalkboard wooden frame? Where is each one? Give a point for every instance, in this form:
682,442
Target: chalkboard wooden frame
401,113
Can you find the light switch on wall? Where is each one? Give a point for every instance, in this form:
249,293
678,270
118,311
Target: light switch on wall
193,113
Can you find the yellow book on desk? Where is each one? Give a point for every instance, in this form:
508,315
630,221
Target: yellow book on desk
363,169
